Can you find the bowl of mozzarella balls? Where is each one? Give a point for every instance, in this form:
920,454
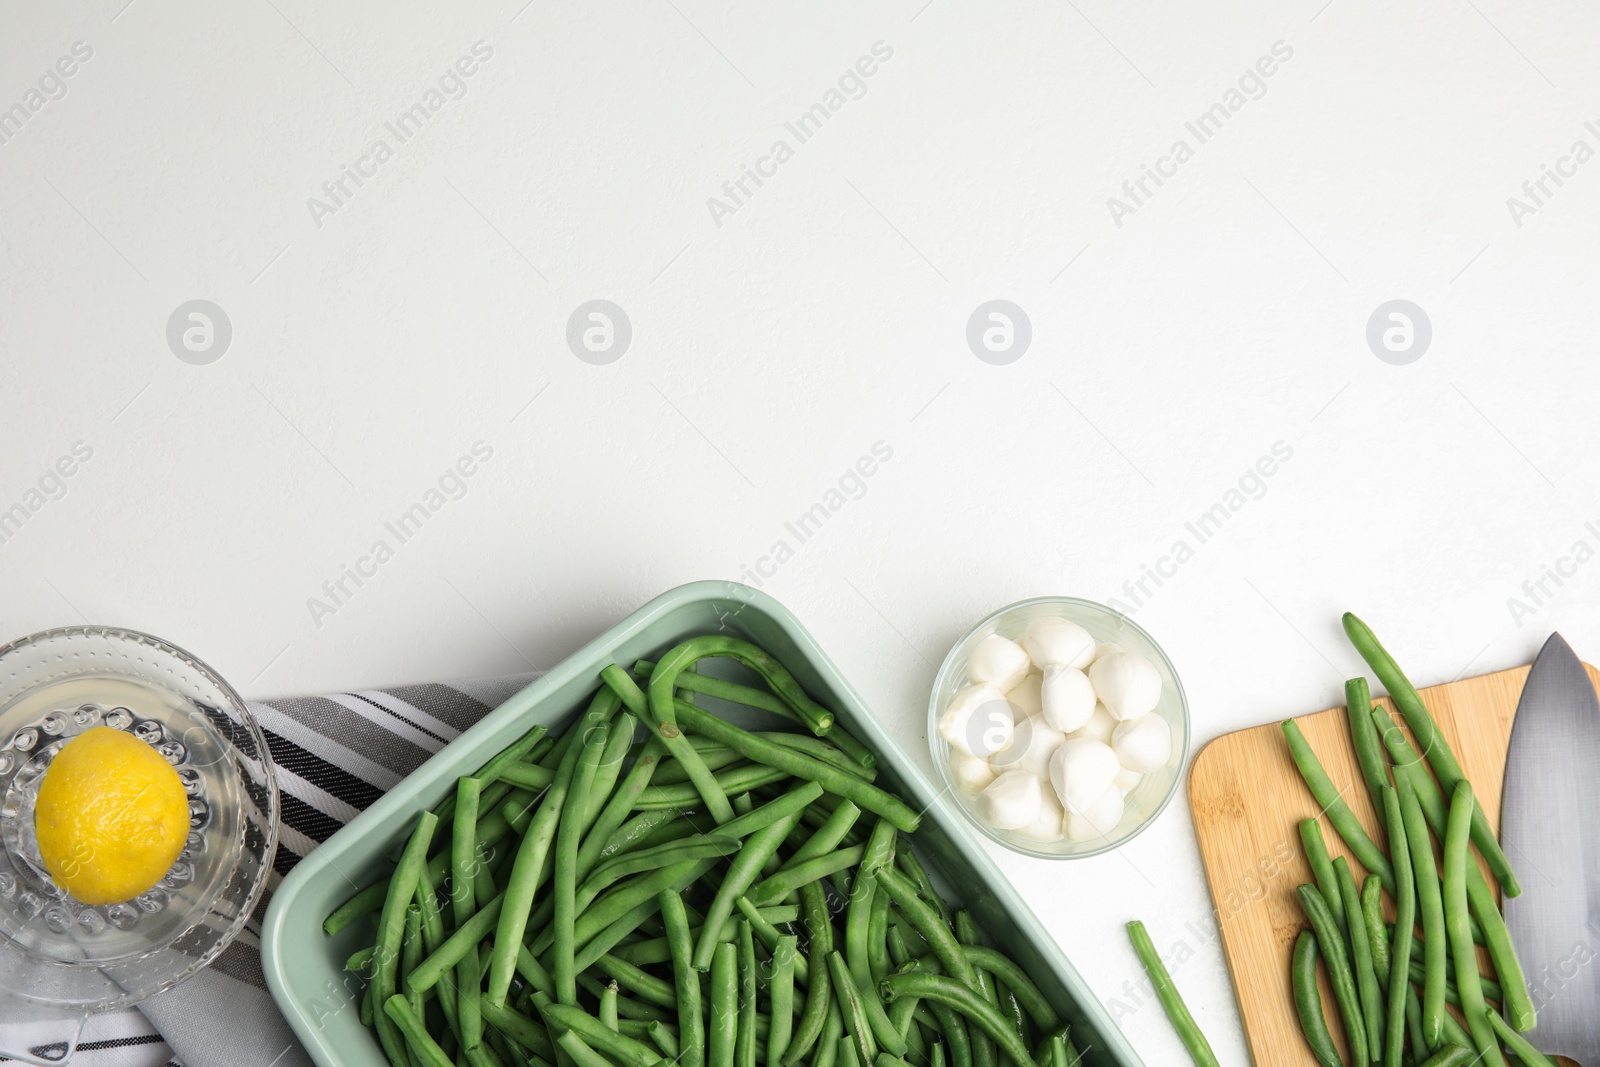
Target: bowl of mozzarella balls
1059,727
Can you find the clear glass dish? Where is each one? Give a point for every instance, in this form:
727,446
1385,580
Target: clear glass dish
60,959
1106,626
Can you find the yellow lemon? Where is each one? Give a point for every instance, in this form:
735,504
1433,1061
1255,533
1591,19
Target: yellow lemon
111,816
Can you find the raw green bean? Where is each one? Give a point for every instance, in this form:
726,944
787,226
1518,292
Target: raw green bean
864,794
528,775
1372,919
820,750
363,903
792,802
819,930
519,1028
745,1047
781,999
666,1040
661,715
1183,1022
965,1000
1321,866
1434,746
412,1032
1308,1002
465,939
411,952
723,1026
1419,1044
465,863
926,922
510,756
691,1027
906,860
617,809
832,1035
1339,813
1364,738
609,998
848,1056
1017,980
792,876
618,1047
1405,922
877,852
1457,844
878,936
732,782
676,660
848,996
618,743
740,875
1435,940
580,1052
1450,1056
983,1049
1520,1046
1330,940
715,757
1372,1004
564,887
391,930
637,981
622,899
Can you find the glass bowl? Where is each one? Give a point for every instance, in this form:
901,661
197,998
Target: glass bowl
1147,799
60,959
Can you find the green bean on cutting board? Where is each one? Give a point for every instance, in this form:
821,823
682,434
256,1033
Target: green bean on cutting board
1430,905
1399,986
1330,942
1372,1003
1183,1022
1316,849
1308,1001
1328,796
1465,954
593,899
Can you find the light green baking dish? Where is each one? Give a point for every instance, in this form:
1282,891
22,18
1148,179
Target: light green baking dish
305,969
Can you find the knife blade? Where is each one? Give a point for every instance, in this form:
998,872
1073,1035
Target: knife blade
1550,827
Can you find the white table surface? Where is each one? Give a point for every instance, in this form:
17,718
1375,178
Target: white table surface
825,313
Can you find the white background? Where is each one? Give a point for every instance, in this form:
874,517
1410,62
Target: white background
827,313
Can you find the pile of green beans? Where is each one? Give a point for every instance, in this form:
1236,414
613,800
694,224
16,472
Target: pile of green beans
1393,989
699,893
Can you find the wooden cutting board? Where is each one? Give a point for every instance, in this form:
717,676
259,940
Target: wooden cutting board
1248,801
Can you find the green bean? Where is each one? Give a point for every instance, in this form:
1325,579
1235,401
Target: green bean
606,825
906,860
820,750
580,1052
792,876
740,779
745,1048
724,1023
1419,1043
1316,850
464,898
832,1034
411,952
1490,925
564,887
1434,746
666,1040
1183,1022
519,1028
1339,813
983,1049
637,981
529,868
926,922
1520,1046
691,1028
1405,922
628,1009
1330,940
848,996
877,852
864,794
359,961
655,950
1450,1056
528,775
618,743
411,1031
1372,919
715,757
663,721
510,756
363,903
1017,980
623,1050
741,874
391,930
465,939
1364,738
1308,1002
1372,1003
848,1056
819,929
781,1000
610,998
964,1000
1490,988
1456,846
792,802
674,662
1435,940
623,899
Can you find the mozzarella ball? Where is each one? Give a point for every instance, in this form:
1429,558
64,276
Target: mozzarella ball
978,721
1099,820
1126,684
1099,726
1082,771
1033,742
1011,801
1105,649
1126,780
1049,824
1052,641
1143,744
1067,698
1026,694
971,774
998,661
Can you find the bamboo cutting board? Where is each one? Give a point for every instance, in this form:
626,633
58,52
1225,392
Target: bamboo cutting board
1248,801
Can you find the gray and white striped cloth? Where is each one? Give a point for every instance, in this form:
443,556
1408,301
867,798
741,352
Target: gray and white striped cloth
335,755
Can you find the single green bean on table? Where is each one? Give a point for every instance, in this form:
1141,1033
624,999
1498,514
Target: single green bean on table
1171,1001
1437,750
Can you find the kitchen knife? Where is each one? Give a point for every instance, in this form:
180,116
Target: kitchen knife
1550,827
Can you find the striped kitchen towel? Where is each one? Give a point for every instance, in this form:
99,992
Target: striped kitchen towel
335,755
